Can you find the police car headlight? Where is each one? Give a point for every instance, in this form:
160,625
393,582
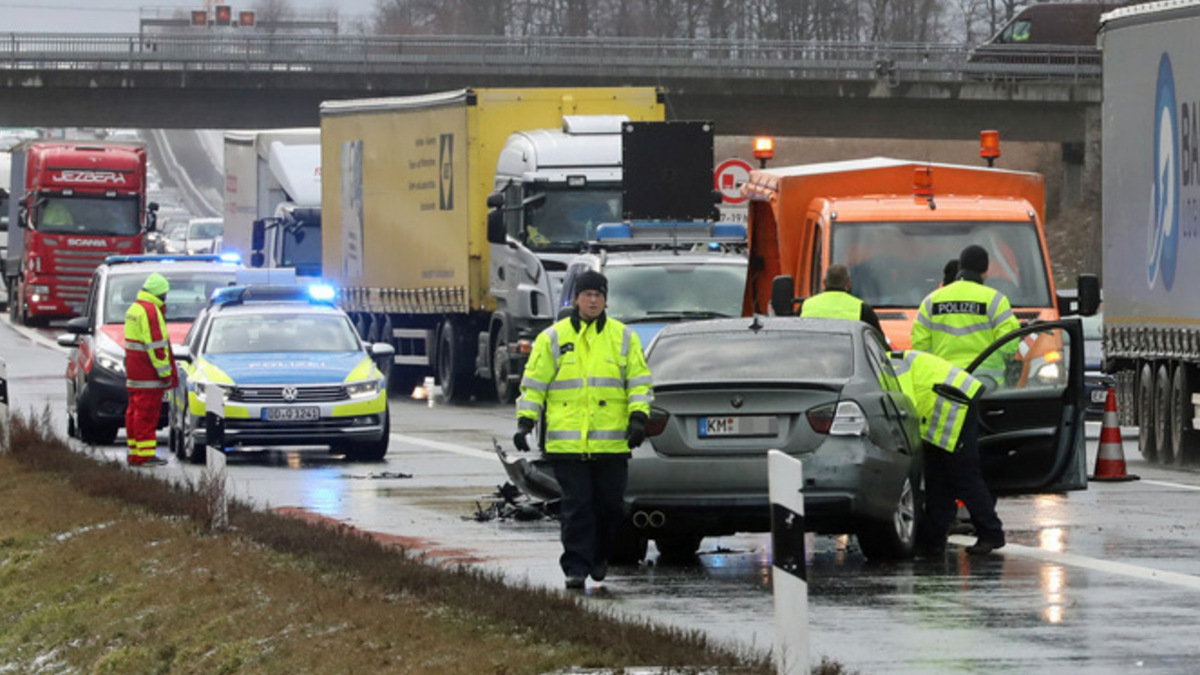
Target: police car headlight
364,389
200,387
109,355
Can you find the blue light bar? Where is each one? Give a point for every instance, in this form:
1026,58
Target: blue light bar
126,259
653,232
236,295
735,231
610,231
230,257
322,292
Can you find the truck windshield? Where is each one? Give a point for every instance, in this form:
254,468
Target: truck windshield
302,250
566,218
671,291
898,264
89,215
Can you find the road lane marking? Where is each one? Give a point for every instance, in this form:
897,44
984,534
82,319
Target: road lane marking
1094,564
35,336
447,447
1163,483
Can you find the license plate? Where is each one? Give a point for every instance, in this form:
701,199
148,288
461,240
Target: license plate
1099,395
738,426
292,414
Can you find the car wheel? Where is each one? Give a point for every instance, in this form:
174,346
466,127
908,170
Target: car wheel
372,451
506,391
94,433
1145,412
1162,415
677,548
192,451
71,430
893,539
629,546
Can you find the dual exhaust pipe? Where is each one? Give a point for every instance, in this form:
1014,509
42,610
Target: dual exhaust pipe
653,519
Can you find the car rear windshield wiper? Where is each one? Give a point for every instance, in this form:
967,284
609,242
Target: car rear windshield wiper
686,314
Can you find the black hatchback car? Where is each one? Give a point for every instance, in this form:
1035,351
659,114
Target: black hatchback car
96,395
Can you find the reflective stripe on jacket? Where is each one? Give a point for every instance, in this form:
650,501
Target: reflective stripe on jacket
942,418
148,362
832,305
587,378
959,321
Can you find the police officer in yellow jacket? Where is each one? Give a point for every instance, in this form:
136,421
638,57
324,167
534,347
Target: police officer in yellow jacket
588,381
958,321
836,302
943,395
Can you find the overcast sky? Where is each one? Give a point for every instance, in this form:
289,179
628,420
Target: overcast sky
121,16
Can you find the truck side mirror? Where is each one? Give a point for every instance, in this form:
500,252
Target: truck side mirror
496,232
152,216
783,300
1089,294
3,193
257,259
495,200
258,235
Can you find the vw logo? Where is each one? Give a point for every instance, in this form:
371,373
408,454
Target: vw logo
1163,233
737,401
290,393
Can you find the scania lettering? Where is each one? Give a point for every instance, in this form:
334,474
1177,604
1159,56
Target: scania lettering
72,205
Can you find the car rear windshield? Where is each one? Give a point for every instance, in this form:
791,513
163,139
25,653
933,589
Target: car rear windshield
189,293
299,332
751,357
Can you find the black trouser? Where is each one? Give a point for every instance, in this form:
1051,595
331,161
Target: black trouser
957,475
592,509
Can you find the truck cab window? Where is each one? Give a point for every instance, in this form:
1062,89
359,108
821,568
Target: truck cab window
86,215
566,218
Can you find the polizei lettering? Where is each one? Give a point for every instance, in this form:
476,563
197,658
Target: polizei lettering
76,176
959,307
86,242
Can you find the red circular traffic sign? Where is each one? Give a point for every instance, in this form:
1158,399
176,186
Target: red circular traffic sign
729,177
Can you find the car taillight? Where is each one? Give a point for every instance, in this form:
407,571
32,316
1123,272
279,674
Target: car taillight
844,418
658,421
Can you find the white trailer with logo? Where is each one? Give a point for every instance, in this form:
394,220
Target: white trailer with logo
1151,205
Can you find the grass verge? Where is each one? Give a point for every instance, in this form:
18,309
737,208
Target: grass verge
107,571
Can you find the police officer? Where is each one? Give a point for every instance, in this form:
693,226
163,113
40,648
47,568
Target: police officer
943,395
149,369
587,379
836,302
957,322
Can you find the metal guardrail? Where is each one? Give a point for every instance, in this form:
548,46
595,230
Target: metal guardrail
894,63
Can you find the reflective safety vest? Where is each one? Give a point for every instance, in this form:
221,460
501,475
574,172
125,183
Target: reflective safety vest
586,378
942,418
832,305
148,362
959,321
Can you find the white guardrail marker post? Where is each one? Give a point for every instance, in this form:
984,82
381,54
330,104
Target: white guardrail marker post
214,439
788,573
3,405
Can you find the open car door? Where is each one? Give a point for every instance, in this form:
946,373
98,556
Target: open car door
1031,434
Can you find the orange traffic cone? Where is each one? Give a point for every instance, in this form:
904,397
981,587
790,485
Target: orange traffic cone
1110,458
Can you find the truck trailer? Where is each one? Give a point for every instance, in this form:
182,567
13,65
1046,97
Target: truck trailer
408,187
1151,220
72,204
895,223
273,177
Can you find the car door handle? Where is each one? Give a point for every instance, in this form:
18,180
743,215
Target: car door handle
994,413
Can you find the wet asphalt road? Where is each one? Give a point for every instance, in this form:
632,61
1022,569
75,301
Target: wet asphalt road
1101,581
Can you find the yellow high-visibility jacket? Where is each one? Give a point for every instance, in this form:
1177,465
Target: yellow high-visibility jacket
832,305
148,361
586,378
957,322
942,418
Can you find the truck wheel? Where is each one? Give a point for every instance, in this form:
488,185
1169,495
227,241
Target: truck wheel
1162,415
452,371
1145,412
506,391
1183,437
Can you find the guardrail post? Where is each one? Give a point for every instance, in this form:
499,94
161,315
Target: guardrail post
3,405
214,434
788,567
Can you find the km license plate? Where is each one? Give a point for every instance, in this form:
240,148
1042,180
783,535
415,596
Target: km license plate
292,414
738,426
1099,395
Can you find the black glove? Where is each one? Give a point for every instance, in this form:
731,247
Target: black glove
635,433
524,426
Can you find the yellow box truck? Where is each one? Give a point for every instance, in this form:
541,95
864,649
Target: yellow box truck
405,200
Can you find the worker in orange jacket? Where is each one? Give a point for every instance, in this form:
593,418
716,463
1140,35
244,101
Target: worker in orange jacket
149,369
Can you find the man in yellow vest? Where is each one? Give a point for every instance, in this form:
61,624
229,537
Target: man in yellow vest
837,303
149,369
958,321
587,379
944,395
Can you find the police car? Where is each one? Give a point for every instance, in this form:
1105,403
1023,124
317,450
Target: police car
293,372
96,394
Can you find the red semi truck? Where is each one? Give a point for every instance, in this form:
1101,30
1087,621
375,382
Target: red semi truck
72,205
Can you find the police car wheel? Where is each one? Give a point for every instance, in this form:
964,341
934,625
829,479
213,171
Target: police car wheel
371,451
192,451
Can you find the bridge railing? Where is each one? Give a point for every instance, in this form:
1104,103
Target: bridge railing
894,63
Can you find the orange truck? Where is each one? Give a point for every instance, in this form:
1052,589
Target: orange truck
895,223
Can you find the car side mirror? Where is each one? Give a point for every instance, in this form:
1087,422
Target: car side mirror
79,326
382,349
181,353
68,340
1089,294
258,235
783,299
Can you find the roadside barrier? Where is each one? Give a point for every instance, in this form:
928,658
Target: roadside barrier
214,456
1110,457
3,405
789,575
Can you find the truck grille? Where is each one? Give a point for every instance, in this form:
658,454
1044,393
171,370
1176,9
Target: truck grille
320,394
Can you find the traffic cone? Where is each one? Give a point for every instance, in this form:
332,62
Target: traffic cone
1110,458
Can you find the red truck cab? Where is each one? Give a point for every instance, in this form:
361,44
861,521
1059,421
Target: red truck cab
73,204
